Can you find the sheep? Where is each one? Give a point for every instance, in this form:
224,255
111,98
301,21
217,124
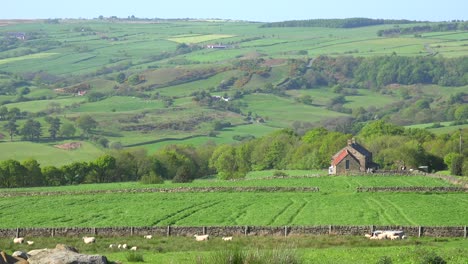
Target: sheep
30,243
133,248
124,246
148,237
403,237
89,240
227,238
201,237
381,236
368,235
394,237
18,240
119,246
112,246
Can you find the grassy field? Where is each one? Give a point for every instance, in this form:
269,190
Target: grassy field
48,154
309,249
337,203
306,249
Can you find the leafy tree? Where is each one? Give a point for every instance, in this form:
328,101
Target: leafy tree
54,127
75,172
102,167
380,127
3,113
120,78
11,127
96,96
183,174
86,123
31,130
53,176
134,79
461,113
456,167
228,163
67,130
34,173
12,174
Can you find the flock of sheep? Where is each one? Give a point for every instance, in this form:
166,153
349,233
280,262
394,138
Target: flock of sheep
206,237
380,235
90,240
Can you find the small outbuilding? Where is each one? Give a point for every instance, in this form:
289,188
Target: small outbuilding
352,158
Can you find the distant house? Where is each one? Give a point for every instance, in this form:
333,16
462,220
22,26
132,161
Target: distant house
215,46
17,35
352,158
81,93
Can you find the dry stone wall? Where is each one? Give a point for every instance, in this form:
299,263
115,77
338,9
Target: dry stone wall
219,231
411,189
167,190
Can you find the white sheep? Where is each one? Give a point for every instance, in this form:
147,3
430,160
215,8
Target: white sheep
382,236
368,235
119,246
18,240
394,237
148,237
89,240
124,246
112,246
133,248
201,237
29,242
227,238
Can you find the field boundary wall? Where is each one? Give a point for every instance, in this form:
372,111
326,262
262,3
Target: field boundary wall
411,231
167,190
411,189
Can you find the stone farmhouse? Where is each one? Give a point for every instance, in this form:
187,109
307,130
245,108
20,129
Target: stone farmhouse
351,159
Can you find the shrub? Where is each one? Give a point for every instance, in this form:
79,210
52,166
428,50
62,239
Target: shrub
134,257
238,256
385,260
279,173
432,258
151,178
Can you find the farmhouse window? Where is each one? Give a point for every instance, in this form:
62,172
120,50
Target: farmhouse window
347,164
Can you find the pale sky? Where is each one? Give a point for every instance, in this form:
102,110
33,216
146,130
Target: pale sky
252,10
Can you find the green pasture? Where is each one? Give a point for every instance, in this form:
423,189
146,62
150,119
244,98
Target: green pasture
281,112
298,178
337,203
119,104
198,38
224,136
41,105
26,57
48,154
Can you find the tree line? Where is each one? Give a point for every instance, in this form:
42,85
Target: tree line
439,27
392,146
338,23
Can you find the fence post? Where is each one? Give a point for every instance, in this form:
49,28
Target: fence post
372,229
420,231
329,229
94,231
246,230
132,230
465,233
204,230
18,232
168,231
52,234
285,231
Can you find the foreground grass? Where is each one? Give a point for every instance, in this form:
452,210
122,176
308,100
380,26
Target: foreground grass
304,249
